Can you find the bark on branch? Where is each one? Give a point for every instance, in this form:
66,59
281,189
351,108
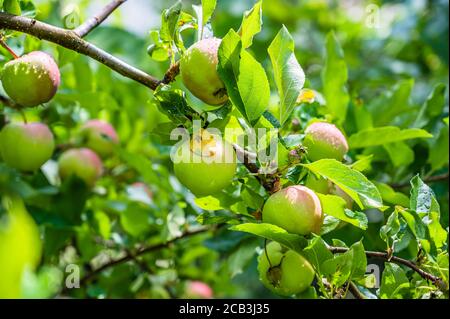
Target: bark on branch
385,256
129,256
70,40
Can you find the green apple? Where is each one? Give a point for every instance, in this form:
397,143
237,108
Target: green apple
317,183
26,147
205,164
284,272
324,186
198,68
324,140
336,190
99,136
296,209
32,79
82,163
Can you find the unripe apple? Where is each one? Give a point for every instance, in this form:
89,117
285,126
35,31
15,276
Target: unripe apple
26,147
82,163
296,209
324,186
198,68
317,184
336,190
31,79
198,290
285,272
205,164
325,140
99,136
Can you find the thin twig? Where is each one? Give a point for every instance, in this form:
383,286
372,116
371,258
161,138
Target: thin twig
355,291
171,73
130,256
431,179
384,255
90,24
70,40
7,48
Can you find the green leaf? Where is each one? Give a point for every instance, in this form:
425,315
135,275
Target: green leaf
208,7
251,24
275,233
394,282
317,253
389,233
253,87
169,22
272,119
43,284
439,150
329,224
251,198
352,182
336,207
384,135
66,56
228,67
135,219
359,261
424,202
217,217
400,153
173,103
334,79
208,203
393,104
350,265
437,233
338,270
363,163
419,229
422,199
241,257
20,246
141,164
289,75
433,106
12,6
391,196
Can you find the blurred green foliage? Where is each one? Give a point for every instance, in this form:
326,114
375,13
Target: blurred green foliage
396,53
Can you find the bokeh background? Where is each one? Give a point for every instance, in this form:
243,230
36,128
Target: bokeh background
386,44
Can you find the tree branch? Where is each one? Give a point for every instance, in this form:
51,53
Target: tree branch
385,256
70,40
90,24
131,256
355,291
7,48
431,179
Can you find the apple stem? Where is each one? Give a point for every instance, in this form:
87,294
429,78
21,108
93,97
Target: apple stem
265,251
24,117
3,44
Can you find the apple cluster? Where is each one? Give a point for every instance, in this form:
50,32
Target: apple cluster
295,208
32,80
198,162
